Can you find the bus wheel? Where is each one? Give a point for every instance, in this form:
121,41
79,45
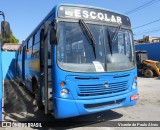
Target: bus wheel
37,96
148,73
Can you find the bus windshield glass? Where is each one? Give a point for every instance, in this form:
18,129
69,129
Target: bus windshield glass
75,51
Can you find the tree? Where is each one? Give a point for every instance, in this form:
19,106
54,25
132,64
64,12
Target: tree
12,39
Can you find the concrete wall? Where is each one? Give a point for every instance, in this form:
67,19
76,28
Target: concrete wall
8,65
0,84
153,50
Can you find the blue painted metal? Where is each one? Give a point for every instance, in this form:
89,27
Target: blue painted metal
93,94
1,83
93,98
7,71
69,108
8,65
153,50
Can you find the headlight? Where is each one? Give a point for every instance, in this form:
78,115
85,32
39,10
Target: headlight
134,86
64,92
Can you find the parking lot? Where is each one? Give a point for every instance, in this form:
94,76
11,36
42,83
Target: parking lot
19,106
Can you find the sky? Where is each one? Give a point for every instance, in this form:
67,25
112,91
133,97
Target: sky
25,15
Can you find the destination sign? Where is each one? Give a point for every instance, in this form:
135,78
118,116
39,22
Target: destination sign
92,14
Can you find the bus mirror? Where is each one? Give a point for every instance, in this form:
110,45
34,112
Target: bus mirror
57,34
54,34
5,29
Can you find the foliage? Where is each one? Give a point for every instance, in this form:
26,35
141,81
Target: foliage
12,39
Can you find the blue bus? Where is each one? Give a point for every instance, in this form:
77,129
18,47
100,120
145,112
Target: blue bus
80,60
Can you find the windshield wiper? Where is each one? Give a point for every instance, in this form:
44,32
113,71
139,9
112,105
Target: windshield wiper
116,32
89,34
109,41
114,37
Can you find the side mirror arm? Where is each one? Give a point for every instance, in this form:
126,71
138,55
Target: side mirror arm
1,13
5,27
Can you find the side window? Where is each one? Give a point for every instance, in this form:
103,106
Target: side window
29,48
30,42
36,51
36,45
37,37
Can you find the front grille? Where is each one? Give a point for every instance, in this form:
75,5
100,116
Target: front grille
105,104
99,89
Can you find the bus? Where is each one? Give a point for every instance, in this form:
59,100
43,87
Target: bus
80,60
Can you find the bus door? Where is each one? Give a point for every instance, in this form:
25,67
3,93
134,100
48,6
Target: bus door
42,75
23,62
42,64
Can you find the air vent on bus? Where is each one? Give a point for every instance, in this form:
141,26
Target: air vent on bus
85,90
105,104
87,78
121,76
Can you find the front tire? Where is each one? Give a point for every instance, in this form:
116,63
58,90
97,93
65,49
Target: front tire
148,73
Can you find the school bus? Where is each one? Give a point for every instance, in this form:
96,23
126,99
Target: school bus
80,60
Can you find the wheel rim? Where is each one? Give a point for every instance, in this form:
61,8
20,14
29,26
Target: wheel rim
147,74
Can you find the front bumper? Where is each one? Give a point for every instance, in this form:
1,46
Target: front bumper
64,108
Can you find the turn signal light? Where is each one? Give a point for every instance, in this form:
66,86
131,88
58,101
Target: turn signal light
135,78
62,84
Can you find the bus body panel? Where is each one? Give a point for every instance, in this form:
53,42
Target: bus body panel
86,104
77,107
91,86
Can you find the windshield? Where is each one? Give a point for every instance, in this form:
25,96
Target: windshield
75,51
